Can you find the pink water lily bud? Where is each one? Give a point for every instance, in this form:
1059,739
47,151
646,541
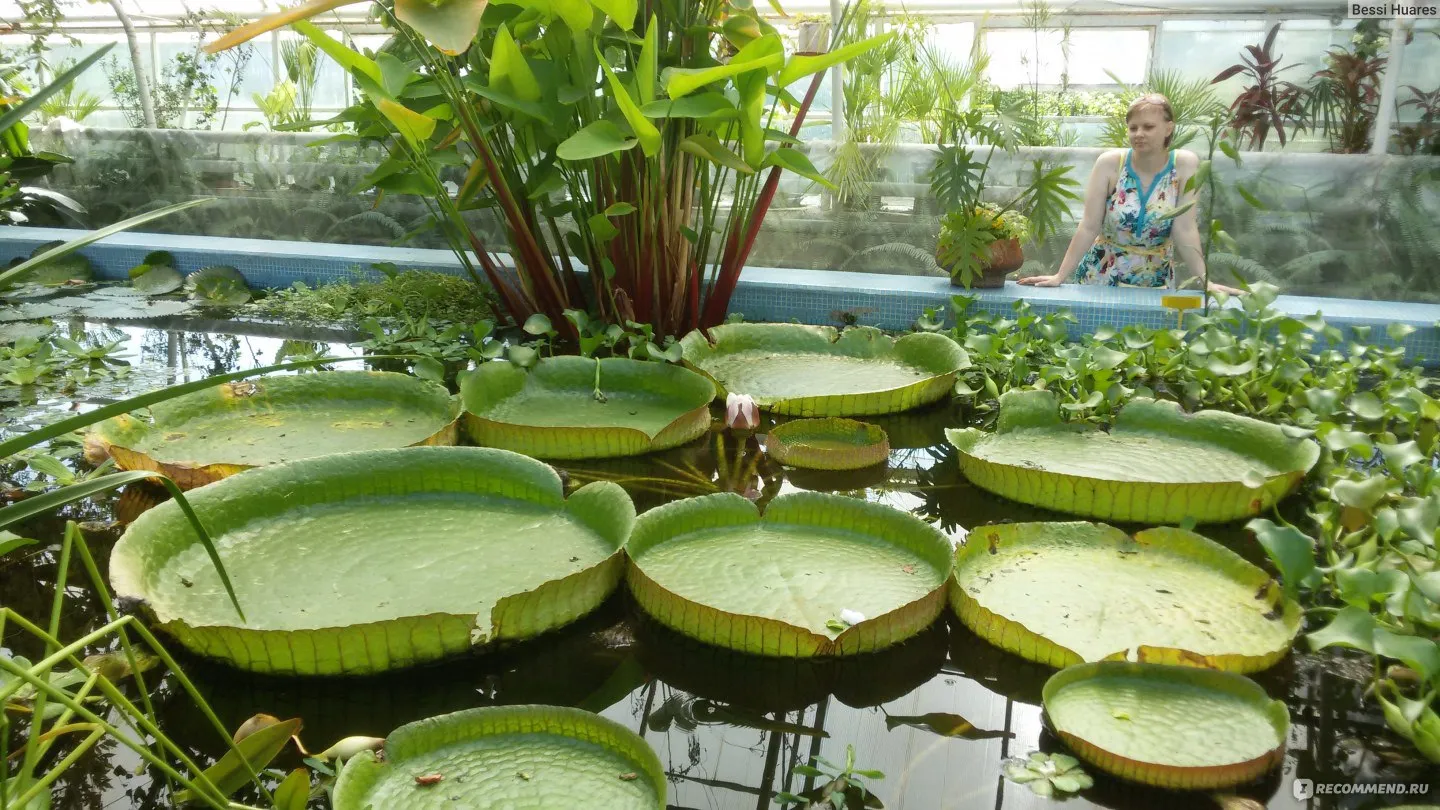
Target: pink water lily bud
741,412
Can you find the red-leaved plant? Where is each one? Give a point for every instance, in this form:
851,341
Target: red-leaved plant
1267,104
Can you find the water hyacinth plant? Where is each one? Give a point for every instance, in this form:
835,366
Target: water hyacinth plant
638,138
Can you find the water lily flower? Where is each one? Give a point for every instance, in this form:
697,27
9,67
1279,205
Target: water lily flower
741,412
349,747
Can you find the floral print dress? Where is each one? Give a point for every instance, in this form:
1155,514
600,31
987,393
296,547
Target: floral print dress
1134,246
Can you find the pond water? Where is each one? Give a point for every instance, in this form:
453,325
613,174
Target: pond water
728,728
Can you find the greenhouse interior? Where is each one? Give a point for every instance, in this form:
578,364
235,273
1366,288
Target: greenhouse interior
540,404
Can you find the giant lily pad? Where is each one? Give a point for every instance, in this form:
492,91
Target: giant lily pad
817,575
205,436
510,757
815,371
218,285
361,562
828,444
1155,465
576,407
1065,593
1175,727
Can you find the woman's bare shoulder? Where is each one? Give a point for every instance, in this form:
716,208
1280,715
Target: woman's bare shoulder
1185,160
1110,158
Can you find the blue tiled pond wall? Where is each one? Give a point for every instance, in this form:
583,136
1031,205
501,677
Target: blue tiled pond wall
764,293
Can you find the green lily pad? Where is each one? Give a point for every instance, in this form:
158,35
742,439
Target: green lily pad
12,332
29,292
1157,464
554,411
1175,727
828,444
1067,593
361,562
205,436
70,267
32,311
510,757
106,307
817,575
156,279
816,371
218,285
114,292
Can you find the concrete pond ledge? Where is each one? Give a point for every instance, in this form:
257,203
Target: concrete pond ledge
764,293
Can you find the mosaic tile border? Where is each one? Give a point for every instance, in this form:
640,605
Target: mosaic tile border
764,293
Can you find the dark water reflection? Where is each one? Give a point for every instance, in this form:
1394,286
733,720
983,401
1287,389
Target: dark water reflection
729,728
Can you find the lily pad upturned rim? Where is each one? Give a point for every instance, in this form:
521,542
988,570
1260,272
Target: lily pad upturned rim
1023,411
1159,774
1014,637
364,771
495,382
761,635
117,437
935,354
788,444
603,507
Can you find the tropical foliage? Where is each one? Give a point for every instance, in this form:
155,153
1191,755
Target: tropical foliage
650,163
1362,558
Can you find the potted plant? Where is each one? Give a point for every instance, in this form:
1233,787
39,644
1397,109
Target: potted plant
979,245
812,33
980,242
601,136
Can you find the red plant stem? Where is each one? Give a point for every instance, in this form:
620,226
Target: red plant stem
531,260
519,310
717,303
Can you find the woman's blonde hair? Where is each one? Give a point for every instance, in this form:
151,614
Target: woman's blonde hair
1153,100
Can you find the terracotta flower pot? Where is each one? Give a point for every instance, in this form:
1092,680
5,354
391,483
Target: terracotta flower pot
1005,258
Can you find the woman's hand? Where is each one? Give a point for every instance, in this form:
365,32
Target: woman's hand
1043,281
1221,288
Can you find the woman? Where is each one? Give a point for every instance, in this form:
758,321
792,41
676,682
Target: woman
1128,234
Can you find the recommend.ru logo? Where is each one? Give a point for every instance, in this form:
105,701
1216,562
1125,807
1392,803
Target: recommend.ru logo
1308,788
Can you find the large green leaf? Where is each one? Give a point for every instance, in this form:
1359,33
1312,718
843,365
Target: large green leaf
156,279
1157,464
645,131
221,430
553,411
595,140
709,148
218,285
816,371
680,82
1066,593
296,15
621,11
1182,728
361,562
802,65
704,105
828,444
793,160
817,575
251,754
508,69
449,25
352,61
506,756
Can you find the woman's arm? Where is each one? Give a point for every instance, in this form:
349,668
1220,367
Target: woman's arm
1186,230
1097,192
